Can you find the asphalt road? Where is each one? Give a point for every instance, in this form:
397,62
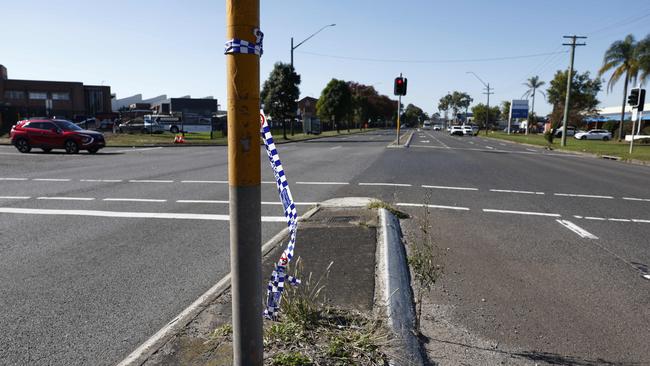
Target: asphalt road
100,251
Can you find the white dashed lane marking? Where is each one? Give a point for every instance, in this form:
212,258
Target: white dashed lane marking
530,213
14,197
51,180
636,199
66,198
133,200
582,195
434,206
150,181
449,187
386,184
205,181
511,191
14,179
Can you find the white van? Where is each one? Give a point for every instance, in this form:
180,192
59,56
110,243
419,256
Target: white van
426,125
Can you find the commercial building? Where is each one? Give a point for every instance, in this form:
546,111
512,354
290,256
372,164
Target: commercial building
29,98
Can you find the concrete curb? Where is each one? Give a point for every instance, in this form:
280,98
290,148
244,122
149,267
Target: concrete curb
153,344
394,289
393,144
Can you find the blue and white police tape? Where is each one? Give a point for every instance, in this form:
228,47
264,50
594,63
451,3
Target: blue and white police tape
242,46
279,275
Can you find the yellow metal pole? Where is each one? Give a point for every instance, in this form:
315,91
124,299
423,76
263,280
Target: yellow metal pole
243,86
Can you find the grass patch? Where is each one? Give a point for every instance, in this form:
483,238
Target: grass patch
381,204
325,335
612,147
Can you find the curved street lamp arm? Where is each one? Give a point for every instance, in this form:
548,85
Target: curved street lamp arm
308,38
479,79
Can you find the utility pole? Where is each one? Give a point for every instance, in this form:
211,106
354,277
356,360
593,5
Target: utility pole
487,118
573,45
243,86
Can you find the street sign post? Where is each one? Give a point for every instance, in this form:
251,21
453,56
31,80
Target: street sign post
518,109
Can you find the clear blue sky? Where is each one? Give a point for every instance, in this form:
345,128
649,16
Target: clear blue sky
175,47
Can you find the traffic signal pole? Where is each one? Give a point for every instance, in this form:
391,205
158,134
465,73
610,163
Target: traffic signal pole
573,45
243,87
399,111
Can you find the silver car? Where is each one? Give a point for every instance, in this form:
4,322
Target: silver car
594,135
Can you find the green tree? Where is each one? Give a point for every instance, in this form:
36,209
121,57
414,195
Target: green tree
460,101
335,102
480,113
444,104
643,52
583,97
280,93
622,58
533,84
413,115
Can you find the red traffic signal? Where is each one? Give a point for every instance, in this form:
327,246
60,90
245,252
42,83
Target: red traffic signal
400,86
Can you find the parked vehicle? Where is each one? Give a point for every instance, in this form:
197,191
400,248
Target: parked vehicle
48,134
570,131
594,135
437,127
456,131
140,125
467,130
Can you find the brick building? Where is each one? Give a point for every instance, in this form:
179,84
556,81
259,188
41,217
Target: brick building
29,98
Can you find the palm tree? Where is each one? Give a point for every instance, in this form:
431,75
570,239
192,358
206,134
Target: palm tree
622,57
643,55
533,84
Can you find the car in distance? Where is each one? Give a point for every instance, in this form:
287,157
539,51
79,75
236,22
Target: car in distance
456,131
48,134
426,125
570,131
140,125
594,135
437,128
467,130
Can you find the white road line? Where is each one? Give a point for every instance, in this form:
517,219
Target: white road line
447,187
202,201
595,218
274,203
137,150
619,220
438,140
502,144
66,198
636,199
133,200
14,197
458,208
150,181
490,147
206,181
582,195
14,179
511,191
522,212
577,229
386,184
642,221
51,180
531,150
335,147
101,180
426,141
322,183
136,215
471,142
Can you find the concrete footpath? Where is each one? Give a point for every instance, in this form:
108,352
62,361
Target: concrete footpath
357,254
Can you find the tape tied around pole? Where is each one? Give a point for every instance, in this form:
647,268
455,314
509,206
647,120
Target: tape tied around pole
241,46
279,276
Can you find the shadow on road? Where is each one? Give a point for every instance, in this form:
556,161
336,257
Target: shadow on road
539,356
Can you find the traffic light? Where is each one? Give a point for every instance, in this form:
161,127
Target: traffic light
636,98
400,86
633,98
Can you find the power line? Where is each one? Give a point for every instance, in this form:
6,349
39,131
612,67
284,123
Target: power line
433,61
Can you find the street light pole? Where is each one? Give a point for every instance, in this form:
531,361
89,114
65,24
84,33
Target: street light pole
298,45
487,87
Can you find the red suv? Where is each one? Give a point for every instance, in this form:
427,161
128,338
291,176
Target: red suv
48,134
